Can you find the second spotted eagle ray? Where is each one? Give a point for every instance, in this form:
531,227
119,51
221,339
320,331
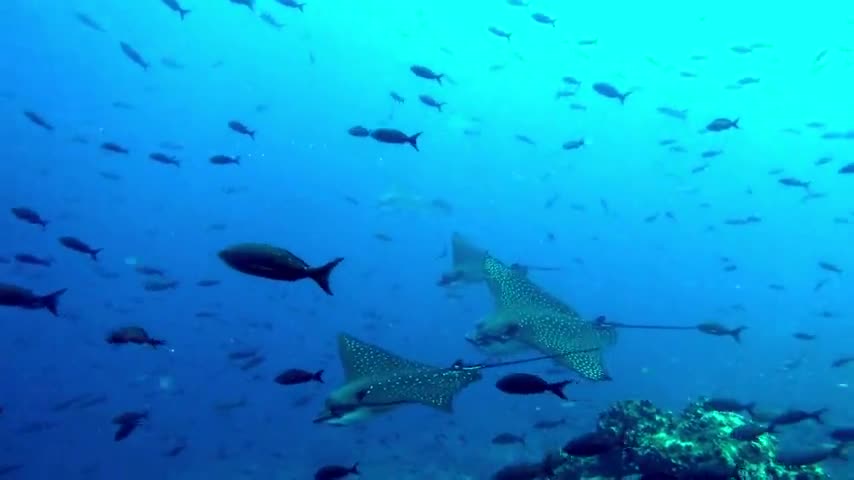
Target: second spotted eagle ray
467,263
527,317
379,381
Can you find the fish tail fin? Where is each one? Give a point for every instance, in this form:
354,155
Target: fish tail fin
624,96
51,301
557,388
439,107
735,123
318,376
321,274
736,334
439,78
251,134
154,342
94,253
413,140
816,415
508,36
355,469
237,159
300,7
183,12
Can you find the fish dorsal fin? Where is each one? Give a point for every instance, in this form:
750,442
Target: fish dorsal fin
464,254
433,387
363,360
512,290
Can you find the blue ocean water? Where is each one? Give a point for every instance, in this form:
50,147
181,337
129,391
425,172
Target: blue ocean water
639,227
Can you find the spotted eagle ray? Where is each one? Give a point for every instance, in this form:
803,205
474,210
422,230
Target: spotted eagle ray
528,317
379,381
467,262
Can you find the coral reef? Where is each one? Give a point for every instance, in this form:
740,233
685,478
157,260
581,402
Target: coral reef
696,442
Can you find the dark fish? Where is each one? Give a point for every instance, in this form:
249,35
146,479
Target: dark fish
241,129
711,153
841,362
253,362
829,267
717,329
159,285
132,334
543,18
592,444
673,112
208,283
127,423
243,354
820,284
275,263
250,4
149,271
38,120
133,55
296,376
424,72
791,417
747,81
572,81
793,182
335,472
396,97
29,215
499,32
390,135
843,434
176,450
846,169
15,296
507,439
528,384
524,139
804,336
750,431
549,424
114,147
359,131
165,159
73,243
609,91
721,124
573,144
823,161
224,160
431,102
270,20
809,456
723,404
292,4
30,259
89,22
175,7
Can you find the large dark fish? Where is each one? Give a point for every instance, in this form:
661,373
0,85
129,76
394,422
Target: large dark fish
335,472
73,243
424,72
390,135
29,215
89,22
527,384
15,296
721,124
38,120
132,334
292,4
176,7
609,91
133,55
274,263
712,328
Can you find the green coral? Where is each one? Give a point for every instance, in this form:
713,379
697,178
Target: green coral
697,439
